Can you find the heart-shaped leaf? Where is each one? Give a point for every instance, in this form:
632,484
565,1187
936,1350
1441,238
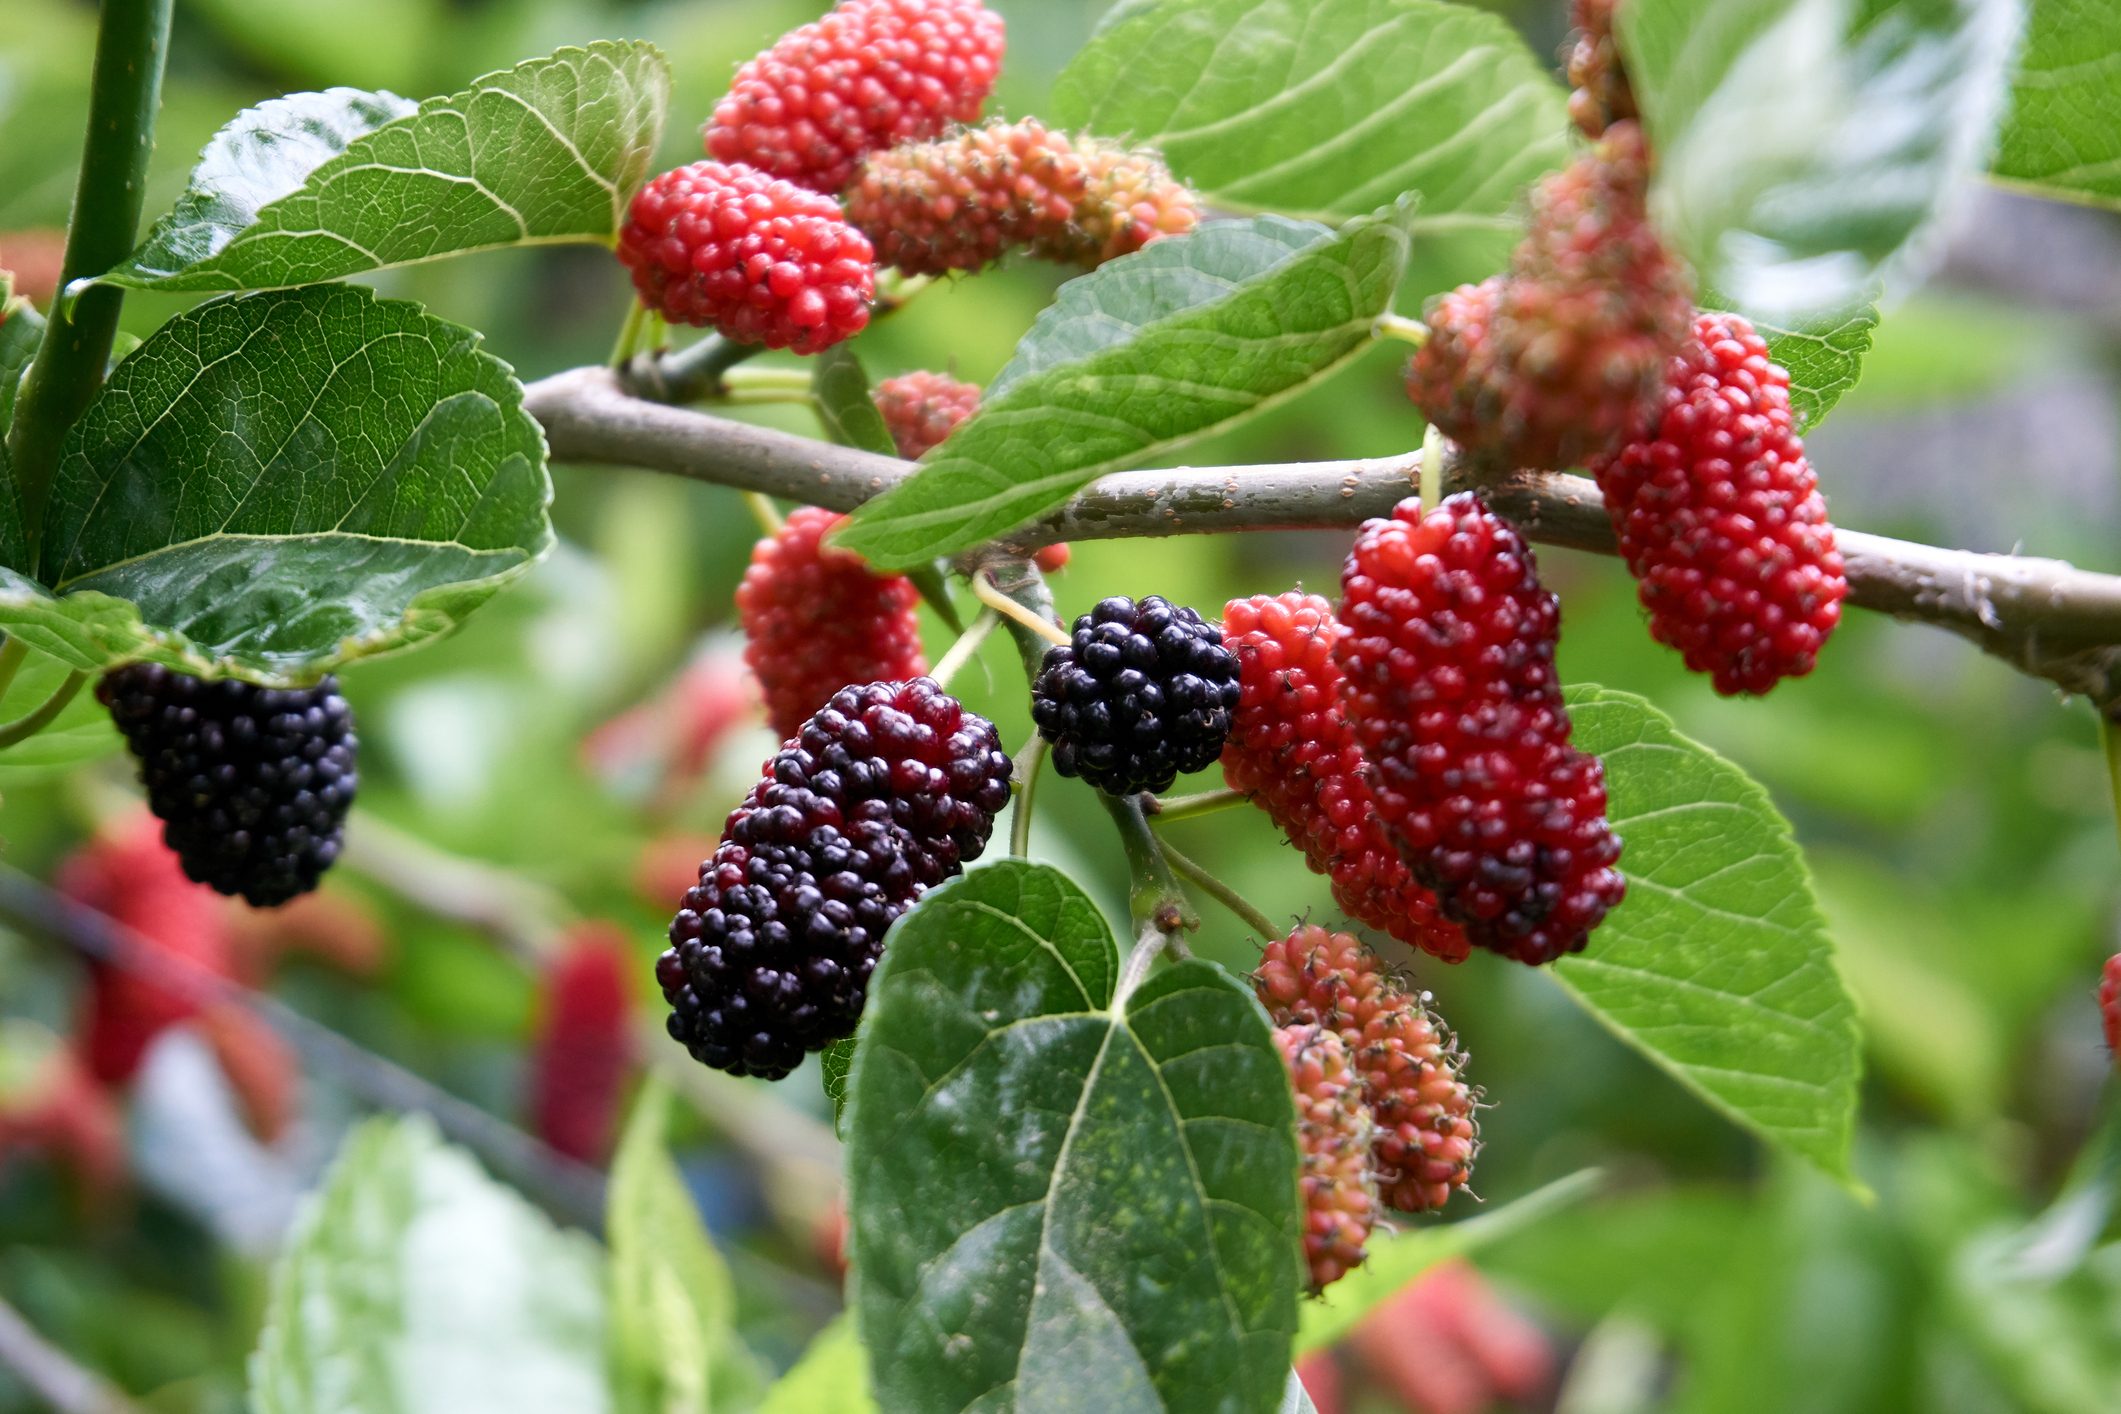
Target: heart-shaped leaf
277,483
1805,147
322,185
1059,1193
1139,357
1329,108
416,1284
2064,132
1717,966
673,1307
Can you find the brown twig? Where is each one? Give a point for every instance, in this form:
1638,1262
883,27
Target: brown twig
2045,617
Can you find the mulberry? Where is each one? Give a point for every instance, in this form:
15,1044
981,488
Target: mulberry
1425,1134
888,790
965,201
583,1047
1600,93
921,409
1333,1133
1558,360
1450,687
1292,751
1720,518
869,75
1140,695
252,784
2110,1006
759,260
817,619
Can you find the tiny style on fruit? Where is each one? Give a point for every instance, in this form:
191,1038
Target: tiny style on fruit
1075,1152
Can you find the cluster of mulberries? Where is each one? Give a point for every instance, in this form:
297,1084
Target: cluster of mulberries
816,619
1293,752
1720,518
1557,360
758,259
888,790
871,74
1451,690
921,409
1140,694
1333,1132
1599,92
964,201
1424,1133
252,784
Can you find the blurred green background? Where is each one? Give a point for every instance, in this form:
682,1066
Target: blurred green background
1955,814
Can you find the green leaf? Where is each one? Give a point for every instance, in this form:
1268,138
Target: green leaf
673,1308
415,1283
81,732
321,186
841,386
1058,1194
1141,356
21,331
277,483
2063,137
1398,1258
1805,146
836,1061
831,1378
1823,353
1717,966
1329,108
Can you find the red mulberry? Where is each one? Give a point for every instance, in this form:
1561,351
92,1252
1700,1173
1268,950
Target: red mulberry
2110,1006
1450,686
582,1051
967,200
817,619
1721,520
921,409
869,75
1293,752
757,259
1558,360
1333,1132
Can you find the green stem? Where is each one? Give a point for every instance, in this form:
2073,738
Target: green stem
1187,807
1398,326
1156,899
782,380
1223,894
68,370
1431,468
690,375
1028,762
767,514
2110,737
968,643
37,721
12,654
629,342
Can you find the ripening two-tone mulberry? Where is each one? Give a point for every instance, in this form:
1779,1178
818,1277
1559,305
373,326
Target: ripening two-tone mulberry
1292,751
888,790
966,200
756,259
1556,361
252,784
920,409
817,619
1720,519
1599,92
1140,694
1333,1127
1425,1130
869,75
1451,689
